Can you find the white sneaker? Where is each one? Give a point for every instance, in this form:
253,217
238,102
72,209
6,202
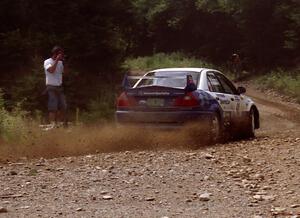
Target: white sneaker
49,127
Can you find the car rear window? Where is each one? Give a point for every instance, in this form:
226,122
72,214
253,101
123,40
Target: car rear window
174,79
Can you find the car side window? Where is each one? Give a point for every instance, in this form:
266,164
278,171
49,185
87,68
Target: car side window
213,83
227,85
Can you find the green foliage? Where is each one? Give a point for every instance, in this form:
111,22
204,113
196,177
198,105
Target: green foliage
2,101
266,33
287,83
162,60
12,124
14,49
29,87
93,32
99,35
100,108
290,10
214,5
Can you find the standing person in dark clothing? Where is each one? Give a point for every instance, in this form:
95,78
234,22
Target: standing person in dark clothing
54,70
236,66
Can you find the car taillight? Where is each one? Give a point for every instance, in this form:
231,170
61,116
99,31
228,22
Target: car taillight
125,101
188,100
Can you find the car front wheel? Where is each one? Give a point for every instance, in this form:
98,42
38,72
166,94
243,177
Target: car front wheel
249,131
215,129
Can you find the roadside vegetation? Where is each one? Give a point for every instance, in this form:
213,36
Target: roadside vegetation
162,60
12,124
284,82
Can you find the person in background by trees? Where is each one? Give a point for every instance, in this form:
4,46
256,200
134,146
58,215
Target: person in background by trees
54,69
236,66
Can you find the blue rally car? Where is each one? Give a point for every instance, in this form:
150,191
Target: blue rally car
177,96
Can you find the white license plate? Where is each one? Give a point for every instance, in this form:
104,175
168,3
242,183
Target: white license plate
155,102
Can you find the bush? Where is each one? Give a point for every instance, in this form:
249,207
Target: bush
29,88
162,60
287,83
100,108
12,124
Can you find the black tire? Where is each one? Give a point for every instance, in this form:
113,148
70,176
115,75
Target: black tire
215,130
249,130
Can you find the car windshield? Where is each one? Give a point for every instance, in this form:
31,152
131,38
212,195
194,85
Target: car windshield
174,79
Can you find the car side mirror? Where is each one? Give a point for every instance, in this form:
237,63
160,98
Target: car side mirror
241,90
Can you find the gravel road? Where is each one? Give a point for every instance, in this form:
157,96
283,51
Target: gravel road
255,178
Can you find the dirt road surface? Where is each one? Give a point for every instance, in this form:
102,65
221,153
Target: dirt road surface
255,178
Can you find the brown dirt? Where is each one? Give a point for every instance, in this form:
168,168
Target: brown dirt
154,174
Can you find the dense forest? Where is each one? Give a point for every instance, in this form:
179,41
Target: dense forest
99,35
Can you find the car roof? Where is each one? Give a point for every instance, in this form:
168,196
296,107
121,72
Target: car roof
180,69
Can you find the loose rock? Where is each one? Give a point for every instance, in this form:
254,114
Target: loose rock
13,173
206,178
278,209
268,197
258,197
205,196
107,197
295,205
208,156
3,210
150,199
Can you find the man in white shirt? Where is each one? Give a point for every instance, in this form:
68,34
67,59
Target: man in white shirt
54,69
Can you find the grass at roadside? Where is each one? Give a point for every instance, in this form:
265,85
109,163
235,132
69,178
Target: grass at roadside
101,108
12,124
162,60
287,83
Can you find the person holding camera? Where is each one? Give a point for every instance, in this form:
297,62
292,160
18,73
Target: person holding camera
54,70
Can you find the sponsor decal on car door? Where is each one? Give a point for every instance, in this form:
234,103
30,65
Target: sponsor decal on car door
244,107
216,90
231,92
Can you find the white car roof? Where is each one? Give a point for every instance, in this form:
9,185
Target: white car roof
180,69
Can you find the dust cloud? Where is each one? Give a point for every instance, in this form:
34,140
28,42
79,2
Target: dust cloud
80,140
